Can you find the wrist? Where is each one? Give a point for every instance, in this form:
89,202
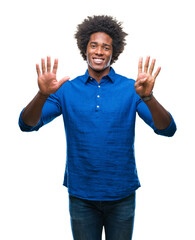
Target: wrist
147,98
42,95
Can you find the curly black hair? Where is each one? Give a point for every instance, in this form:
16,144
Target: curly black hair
102,23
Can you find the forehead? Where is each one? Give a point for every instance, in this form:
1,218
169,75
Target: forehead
100,37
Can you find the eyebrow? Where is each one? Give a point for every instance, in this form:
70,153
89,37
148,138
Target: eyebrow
105,44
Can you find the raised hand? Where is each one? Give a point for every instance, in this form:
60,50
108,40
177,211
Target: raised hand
47,81
145,80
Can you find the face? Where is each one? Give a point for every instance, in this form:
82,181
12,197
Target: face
99,52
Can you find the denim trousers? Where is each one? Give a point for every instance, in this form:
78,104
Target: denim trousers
89,217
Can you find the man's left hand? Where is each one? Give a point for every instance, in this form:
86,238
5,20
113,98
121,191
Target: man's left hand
145,80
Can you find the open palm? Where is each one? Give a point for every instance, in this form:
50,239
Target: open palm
47,81
145,80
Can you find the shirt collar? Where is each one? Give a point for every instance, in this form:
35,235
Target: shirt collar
111,75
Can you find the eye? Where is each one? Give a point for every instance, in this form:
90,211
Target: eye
106,47
93,45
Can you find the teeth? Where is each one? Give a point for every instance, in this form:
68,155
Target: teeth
98,60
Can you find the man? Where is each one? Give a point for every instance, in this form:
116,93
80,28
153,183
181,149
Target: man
99,110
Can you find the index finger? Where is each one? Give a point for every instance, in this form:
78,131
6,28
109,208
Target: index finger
55,66
140,65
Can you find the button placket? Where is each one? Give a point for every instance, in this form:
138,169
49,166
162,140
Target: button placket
98,98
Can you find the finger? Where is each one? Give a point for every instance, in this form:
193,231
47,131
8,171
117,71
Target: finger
140,65
146,64
43,65
55,66
152,66
48,64
38,70
157,72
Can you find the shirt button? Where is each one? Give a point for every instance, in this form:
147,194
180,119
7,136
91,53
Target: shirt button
98,106
99,86
91,78
98,96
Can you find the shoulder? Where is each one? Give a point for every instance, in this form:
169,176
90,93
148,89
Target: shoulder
127,85
71,83
78,80
121,79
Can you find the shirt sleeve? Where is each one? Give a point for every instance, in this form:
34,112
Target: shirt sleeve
51,110
144,112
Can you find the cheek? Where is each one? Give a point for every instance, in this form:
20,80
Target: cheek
88,54
109,58
88,58
87,51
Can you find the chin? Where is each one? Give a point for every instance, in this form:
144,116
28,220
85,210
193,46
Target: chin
98,68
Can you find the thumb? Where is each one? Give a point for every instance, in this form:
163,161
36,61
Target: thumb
140,81
63,80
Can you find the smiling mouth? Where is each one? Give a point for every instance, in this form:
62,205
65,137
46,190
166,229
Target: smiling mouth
98,60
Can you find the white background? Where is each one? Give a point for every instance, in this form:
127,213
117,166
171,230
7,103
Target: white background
33,202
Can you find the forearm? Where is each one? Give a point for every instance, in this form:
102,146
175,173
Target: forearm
160,116
31,115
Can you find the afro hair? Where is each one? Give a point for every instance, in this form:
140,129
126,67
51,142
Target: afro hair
103,23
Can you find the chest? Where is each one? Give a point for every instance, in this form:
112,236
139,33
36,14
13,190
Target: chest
100,107
100,99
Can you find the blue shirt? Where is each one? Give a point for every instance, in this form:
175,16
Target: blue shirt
99,121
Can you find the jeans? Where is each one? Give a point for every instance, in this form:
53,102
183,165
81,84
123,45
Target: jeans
89,217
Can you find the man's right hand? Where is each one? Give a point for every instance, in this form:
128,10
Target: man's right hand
47,81
48,84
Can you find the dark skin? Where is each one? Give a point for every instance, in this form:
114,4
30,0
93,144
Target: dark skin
48,84
144,86
99,53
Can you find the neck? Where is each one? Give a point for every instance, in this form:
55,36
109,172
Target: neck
98,75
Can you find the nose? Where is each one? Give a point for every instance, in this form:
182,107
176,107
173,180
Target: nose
99,50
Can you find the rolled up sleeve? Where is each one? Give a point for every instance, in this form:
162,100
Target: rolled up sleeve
50,111
146,115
